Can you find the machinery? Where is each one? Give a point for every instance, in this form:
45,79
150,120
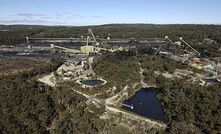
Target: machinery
194,50
27,40
87,49
215,64
29,45
167,38
183,41
91,32
93,48
64,49
175,45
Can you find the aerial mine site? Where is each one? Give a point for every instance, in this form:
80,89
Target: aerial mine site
76,69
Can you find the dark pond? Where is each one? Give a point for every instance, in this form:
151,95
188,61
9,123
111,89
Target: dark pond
43,54
145,103
92,82
62,44
211,81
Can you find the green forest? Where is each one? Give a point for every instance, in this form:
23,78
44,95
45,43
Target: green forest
189,108
15,34
28,106
196,35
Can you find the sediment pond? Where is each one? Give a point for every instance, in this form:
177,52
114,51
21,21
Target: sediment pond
92,82
145,103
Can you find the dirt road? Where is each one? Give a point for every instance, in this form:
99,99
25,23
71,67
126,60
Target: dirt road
48,80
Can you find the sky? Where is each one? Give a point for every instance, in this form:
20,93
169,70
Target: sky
97,12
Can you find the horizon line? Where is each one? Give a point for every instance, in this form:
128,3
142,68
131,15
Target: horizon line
69,25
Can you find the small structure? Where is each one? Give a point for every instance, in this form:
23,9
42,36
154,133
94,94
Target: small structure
179,43
197,66
87,49
185,73
196,60
164,53
210,68
179,58
209,41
